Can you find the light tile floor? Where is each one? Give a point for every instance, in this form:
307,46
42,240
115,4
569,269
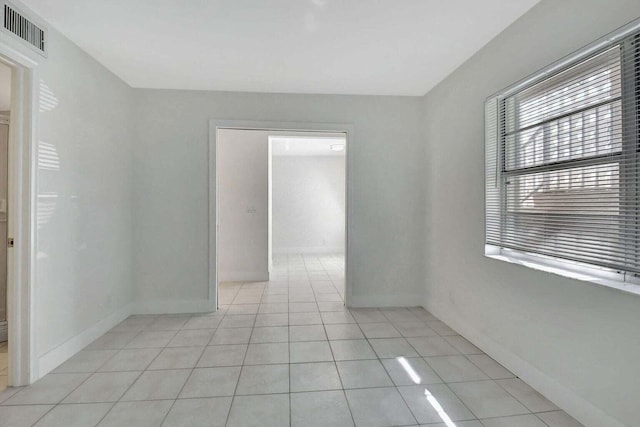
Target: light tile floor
279,354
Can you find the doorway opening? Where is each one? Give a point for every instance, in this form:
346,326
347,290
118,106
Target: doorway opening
280,211
307,184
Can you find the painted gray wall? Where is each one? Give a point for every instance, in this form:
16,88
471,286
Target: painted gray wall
308,204
84,265
171,201
576,341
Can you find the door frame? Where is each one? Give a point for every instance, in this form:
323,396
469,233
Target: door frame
23,142
213,193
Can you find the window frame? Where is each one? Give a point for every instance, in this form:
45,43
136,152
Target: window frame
610,277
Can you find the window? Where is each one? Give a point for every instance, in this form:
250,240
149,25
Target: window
563,164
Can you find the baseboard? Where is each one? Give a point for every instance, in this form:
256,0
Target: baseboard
54,358
173,307
309,250
579,408
395,300
243,276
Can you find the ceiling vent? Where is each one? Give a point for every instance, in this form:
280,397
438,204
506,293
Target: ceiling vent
16,23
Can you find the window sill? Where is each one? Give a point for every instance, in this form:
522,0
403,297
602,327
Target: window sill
571,270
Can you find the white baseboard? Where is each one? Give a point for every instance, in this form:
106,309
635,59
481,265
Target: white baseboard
579,408
243,276
173,307
396,300
54,358
309,250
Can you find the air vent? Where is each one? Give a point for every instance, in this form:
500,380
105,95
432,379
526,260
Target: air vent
17,24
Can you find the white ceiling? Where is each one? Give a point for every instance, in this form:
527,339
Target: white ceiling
306,145
375,47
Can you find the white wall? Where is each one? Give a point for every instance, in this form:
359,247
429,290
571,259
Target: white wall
171,188
84,239
243,205
575,341
308,204
84,264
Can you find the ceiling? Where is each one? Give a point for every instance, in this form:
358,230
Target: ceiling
372,47
307,145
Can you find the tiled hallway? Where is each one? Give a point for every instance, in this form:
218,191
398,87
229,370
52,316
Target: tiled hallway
282,353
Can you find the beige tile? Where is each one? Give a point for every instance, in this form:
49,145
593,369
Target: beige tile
379,407
263,379
363,374
527,395
211,412
103,387
320,409
50,389
268,353
314,376
130,360
86,361
455,368
75,415
156,385
211,382
138,414
22,416
425,402
486,399
252,411
310,351
177,358
222,355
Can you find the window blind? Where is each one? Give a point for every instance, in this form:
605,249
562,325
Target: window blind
562,162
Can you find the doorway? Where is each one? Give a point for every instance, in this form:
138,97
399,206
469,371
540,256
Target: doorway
307,184
280,208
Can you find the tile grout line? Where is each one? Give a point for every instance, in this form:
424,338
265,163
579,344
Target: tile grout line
335,364
140,374
235,390
60,402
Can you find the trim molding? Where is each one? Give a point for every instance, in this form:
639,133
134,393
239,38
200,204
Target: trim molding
173,307
565,398
54,358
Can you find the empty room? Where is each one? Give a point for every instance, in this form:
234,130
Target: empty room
325,213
